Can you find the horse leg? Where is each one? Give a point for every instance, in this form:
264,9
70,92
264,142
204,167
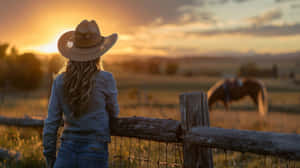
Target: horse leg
226,105
209,107
254,99
258,103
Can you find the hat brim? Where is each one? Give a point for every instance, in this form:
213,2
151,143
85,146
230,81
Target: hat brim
67,48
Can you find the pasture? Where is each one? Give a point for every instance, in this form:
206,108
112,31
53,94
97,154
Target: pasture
157,96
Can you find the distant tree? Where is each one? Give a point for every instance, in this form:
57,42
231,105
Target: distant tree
13,52
172,68
188,73
11,57
275,70
3,50
3,70
252,70
25,72
3,63
55,63
292,75
133,66
153,66
248,69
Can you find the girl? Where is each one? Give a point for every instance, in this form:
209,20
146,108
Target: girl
85,98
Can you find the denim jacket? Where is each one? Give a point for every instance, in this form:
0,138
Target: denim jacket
93,125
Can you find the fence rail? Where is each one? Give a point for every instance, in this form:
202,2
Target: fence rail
193,130
267,143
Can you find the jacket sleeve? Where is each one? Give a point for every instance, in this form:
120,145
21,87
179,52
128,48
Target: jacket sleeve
52,123
112,105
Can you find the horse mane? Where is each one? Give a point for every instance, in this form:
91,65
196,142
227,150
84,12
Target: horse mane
214,88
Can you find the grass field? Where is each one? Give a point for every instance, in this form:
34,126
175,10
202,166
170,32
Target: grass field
160,98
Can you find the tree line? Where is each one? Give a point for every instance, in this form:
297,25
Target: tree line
23,71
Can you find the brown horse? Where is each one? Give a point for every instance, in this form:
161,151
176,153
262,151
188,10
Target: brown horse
229,90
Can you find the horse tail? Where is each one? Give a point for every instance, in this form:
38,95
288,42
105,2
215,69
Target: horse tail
262,100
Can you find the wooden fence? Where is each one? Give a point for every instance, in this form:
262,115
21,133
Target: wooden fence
194,133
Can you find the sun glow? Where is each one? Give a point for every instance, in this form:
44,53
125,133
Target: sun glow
47,48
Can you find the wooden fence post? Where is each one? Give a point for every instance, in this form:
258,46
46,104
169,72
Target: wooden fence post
194,112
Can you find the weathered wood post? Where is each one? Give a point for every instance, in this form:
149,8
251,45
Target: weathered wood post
194,112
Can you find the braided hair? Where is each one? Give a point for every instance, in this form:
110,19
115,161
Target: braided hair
78,84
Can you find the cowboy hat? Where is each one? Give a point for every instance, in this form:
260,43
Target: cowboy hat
85,43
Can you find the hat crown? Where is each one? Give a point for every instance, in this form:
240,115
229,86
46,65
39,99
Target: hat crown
87,34
87,27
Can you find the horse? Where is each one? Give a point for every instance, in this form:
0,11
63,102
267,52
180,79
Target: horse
233,89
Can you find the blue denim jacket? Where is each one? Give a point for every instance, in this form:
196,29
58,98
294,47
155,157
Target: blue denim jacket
93,125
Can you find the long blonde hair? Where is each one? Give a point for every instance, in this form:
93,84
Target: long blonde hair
78,84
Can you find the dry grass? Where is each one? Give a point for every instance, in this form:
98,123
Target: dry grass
284,99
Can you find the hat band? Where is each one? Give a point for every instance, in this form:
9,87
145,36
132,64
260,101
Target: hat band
98,43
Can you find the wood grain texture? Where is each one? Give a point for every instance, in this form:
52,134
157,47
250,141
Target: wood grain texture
194,112
265,143
165,130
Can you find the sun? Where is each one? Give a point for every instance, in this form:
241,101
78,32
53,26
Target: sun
47,48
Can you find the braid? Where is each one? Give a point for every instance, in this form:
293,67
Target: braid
78,84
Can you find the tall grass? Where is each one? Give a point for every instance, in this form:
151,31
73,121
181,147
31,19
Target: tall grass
284,99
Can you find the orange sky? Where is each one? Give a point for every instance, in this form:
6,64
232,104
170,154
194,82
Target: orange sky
169,27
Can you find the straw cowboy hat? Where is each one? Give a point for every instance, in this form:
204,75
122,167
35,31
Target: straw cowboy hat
85,43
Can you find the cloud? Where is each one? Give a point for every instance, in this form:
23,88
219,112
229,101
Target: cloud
135,12
222,2
266,17
206,17
199,4
148,26
295,6
240,1
264,31
195,13
199,16
217,2
283,1
145,12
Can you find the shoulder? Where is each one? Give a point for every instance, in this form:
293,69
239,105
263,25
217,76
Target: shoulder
58,79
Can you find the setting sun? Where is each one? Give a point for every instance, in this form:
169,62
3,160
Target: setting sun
47,48
185,28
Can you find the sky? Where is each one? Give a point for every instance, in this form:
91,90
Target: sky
158,27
